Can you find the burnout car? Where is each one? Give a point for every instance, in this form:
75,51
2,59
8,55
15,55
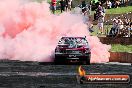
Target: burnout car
73,49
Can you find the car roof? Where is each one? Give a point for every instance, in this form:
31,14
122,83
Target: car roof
74,37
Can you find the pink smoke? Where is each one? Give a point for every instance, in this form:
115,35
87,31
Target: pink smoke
29,32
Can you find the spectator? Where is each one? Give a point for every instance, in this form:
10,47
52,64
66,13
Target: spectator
121,28
122,2
130,23
100,22
126,22
117,3
69,4
113,4
83,6
113,32
99,9
126,2
62,5
53,6
66,1
115,23
120,25
108,4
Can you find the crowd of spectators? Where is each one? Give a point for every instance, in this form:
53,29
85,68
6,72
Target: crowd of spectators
121,28
110,3
106,5
65,5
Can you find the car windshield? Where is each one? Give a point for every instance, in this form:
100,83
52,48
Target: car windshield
77,41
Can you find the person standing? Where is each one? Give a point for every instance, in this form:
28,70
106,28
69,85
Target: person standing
66,5
100,22
99,9
62,5
53,6
69,4
108,4
84,7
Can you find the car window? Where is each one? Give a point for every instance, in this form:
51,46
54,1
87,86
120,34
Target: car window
73,41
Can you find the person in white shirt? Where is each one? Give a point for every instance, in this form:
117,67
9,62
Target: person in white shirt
120,24
100,22
114,30
69,4
115,23
108,4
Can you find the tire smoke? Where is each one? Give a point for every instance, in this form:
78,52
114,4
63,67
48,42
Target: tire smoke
30,32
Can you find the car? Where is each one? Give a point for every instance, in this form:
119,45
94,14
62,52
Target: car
73,49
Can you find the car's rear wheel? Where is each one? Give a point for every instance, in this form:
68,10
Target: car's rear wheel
59,60
87,60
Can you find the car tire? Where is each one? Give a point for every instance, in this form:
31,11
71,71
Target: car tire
58,60
88,60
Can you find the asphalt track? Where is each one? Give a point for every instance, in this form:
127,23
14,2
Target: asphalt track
18,74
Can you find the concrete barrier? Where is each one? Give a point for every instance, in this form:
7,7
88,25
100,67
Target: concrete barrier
123,57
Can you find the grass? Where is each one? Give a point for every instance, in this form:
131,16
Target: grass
119,10
121,48
95,28
57,12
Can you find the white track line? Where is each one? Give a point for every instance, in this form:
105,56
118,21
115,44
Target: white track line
118,63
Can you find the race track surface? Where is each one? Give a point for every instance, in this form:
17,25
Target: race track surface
17,74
